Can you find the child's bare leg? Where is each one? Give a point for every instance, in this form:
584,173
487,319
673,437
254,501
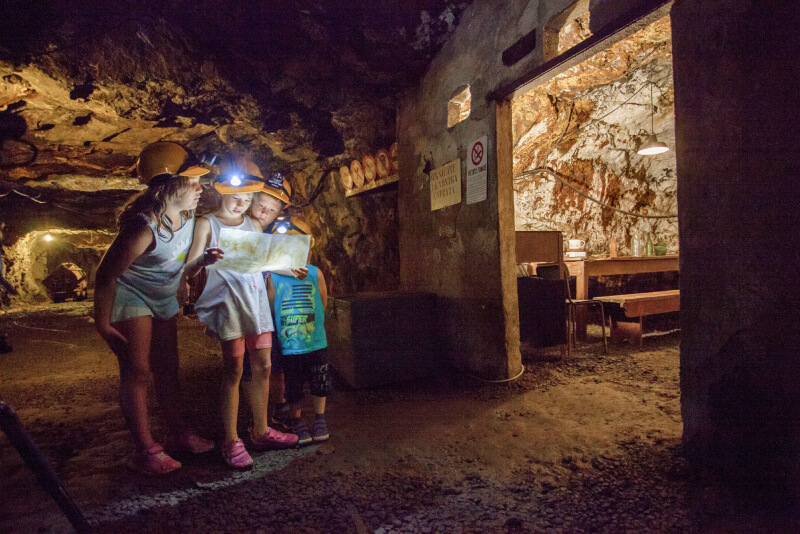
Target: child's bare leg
164,363
134,372
319,404
231,376
296,410
261,366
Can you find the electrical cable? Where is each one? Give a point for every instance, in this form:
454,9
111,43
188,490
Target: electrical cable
24,195
314,194
541,170
503,381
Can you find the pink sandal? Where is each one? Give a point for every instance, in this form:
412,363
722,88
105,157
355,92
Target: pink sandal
188,441
154,461
272,440
236,456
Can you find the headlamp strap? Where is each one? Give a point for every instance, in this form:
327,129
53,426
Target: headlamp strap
276,182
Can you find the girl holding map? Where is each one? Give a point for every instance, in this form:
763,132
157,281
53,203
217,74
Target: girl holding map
235,308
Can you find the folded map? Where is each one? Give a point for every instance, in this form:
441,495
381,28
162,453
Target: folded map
253,252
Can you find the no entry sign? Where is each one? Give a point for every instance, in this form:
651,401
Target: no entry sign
476,171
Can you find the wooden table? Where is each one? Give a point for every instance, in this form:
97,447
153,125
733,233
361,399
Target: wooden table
582,269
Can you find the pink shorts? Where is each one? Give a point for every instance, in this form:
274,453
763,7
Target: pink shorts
253,342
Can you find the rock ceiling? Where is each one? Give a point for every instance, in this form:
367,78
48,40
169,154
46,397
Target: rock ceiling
300,86
85,85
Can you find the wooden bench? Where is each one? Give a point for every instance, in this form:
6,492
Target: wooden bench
638,305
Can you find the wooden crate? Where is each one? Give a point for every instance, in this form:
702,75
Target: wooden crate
381,338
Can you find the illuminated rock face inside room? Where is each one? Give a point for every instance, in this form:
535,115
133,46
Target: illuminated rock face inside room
599,114
592,442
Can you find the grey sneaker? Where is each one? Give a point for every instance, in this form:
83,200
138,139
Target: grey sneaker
303,437
320,429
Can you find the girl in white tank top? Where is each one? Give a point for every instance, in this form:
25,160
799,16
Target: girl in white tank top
234,307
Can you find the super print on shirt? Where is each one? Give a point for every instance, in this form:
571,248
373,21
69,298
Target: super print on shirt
297,315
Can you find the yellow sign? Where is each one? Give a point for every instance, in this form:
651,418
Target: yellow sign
446,185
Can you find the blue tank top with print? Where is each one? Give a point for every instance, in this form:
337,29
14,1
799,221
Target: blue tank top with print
299,314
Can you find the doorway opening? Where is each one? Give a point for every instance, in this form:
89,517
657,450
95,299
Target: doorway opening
577,167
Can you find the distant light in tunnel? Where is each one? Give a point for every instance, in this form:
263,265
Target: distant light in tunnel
48,237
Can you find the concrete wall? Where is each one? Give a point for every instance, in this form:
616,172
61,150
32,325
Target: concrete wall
464,253
736,77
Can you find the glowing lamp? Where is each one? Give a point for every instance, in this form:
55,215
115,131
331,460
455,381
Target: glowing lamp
652,146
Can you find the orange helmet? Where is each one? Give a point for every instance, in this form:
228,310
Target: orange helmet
167,158
238,175
278,187
290,226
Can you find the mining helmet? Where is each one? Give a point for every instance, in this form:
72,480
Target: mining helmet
290,226
167,158
238,175
278,187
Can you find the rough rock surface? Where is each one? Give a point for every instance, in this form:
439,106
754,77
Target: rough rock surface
586,124
302,87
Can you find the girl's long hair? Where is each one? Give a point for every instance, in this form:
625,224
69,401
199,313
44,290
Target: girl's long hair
160,190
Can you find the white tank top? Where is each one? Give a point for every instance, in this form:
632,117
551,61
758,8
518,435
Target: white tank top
233,304
156,274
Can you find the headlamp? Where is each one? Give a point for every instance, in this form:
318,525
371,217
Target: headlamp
281,225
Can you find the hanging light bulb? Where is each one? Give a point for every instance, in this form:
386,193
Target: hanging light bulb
652,146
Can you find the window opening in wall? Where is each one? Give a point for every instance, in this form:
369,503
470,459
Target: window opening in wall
566,29
458,106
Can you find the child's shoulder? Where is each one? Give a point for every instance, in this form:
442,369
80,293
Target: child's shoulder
136,222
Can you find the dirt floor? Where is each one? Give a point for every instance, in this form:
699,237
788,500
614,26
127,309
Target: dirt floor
588,444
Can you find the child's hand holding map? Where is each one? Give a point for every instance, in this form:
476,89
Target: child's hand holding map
252,252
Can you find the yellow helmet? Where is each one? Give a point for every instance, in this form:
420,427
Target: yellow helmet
290,226
238,175
167,158
278,187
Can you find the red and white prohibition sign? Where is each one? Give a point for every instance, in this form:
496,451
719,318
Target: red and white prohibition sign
477,153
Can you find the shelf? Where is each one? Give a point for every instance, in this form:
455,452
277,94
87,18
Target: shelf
374,185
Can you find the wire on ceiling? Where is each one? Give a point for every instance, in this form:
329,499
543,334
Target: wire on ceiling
544,170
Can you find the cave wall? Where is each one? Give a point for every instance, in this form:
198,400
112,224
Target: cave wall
736,76
300,89
599,114
31,258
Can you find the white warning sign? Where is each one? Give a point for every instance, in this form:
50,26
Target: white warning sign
477,164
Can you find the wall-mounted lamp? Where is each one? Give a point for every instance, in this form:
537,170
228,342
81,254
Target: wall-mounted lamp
652,146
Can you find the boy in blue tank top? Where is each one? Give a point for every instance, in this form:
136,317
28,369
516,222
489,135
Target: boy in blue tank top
299,308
